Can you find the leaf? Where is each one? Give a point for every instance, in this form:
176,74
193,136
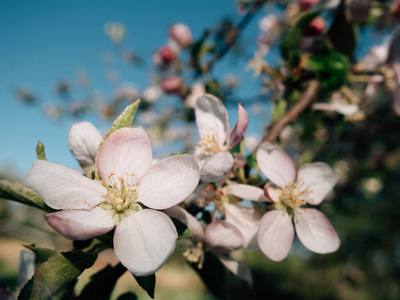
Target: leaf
291,43
21,193
124,120
54,278
127,296
40,153
102,283
180,227
25,293
41,254
80,245
147,283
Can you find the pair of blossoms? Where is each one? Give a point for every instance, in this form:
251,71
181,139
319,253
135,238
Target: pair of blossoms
133,190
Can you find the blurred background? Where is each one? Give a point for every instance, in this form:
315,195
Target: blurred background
61,63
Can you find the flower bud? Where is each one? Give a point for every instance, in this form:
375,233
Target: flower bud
172,85
306,4
316,27
181,34
396,8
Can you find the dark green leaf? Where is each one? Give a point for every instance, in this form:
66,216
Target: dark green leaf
25,293
40,153
23,194
252,161
180,227
54,278
148,283
102,283
41,254
127,296
124,120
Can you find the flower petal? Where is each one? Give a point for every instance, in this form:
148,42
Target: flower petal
237,132
249,192
223,237
169,182
318,178
84,140
216,167
64,188
127,150
190,221
275,236
238,268
273,194
81,224
144,240
247,220
316,232
212,117
276,164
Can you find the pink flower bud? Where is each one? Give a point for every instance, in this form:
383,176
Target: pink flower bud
396,7
167,54
181,34
306,4
172,85
316,27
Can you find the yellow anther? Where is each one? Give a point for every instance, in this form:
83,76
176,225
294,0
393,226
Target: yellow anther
111,175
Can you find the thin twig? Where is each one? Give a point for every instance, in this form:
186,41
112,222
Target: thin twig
306,99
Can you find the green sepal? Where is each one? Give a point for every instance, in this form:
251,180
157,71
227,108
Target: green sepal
148,283
40,153
41,254
124,120
23,194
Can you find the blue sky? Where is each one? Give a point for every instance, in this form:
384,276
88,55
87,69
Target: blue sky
47,41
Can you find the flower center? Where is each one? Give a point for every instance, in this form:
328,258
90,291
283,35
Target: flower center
121,196
292,198
195,254
212,195
209,145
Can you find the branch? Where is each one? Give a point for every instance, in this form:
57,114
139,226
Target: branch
306,99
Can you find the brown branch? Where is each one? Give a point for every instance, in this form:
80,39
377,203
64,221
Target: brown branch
306,99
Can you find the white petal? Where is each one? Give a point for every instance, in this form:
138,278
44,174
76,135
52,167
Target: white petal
275,236
84,140
81,224
238,268
169,182
249,192
64,188
190,221
212,117
274,194
127,150
276,164
247,220
223,237
216,167
315,231
144,240
318,179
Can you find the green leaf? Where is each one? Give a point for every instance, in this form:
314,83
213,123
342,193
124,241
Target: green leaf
25,293
21,193
291,43
124,120
180,227
147,283
330,69
252,161
40,153
41,254
54,278
102,283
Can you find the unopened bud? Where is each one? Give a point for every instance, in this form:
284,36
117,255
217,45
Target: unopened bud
172,85
316,27
181,34
306,4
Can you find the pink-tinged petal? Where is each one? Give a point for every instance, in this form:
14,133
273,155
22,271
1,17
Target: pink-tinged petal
144,240
127,150
169,182
190,221
222,237
247,220
318,179
276,164
237,132
275,236
64,188
81,224
238,268
315,231
245,191
216,167
84,140
274,194
212,118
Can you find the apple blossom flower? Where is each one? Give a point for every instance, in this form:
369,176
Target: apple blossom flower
216,137
218,237
314,181
83,141
180,34
127,198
